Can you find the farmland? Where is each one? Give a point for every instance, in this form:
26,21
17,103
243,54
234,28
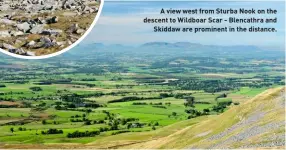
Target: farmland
99,96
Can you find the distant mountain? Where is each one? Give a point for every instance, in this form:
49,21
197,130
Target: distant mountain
178,49
165,48
160,46
157,44
194,46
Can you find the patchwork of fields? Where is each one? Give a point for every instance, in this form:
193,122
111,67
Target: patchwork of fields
124,99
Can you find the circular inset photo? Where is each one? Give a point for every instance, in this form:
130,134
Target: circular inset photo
36,29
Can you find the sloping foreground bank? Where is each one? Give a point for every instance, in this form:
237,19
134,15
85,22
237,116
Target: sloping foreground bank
257,123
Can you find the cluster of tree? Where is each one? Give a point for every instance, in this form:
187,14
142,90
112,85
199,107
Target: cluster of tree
17,81
124,86
78,116
139,103
84,84
43,104
84,119
159,106
6,99
119,132
195,113
174,114
135,125
190,101
98,121
115,122
11,93
221,96
78,134
153,124
159,103
202,102
182,95
53,131
92,105
144,103
9,106
58,81
150,80
36,89
165,95
18,122
44,122
74,98
225,102
82,110
22,129
168,103
78,120
90,69
88,79
257,84
133,98
210,86
236,103
221,105
2,85
104,129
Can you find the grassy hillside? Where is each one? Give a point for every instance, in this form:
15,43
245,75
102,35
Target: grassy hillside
251,124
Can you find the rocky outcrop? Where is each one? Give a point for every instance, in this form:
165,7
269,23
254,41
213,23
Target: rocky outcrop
41,19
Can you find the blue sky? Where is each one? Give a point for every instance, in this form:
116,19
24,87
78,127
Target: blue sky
122,23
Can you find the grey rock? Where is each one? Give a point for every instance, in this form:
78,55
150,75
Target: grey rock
31,43
17,41
73,28
52,32
29,53
37,29
54,19
17,51
23,27
7,21
47,42
80,31
7,46
17,33
60,43
4,34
